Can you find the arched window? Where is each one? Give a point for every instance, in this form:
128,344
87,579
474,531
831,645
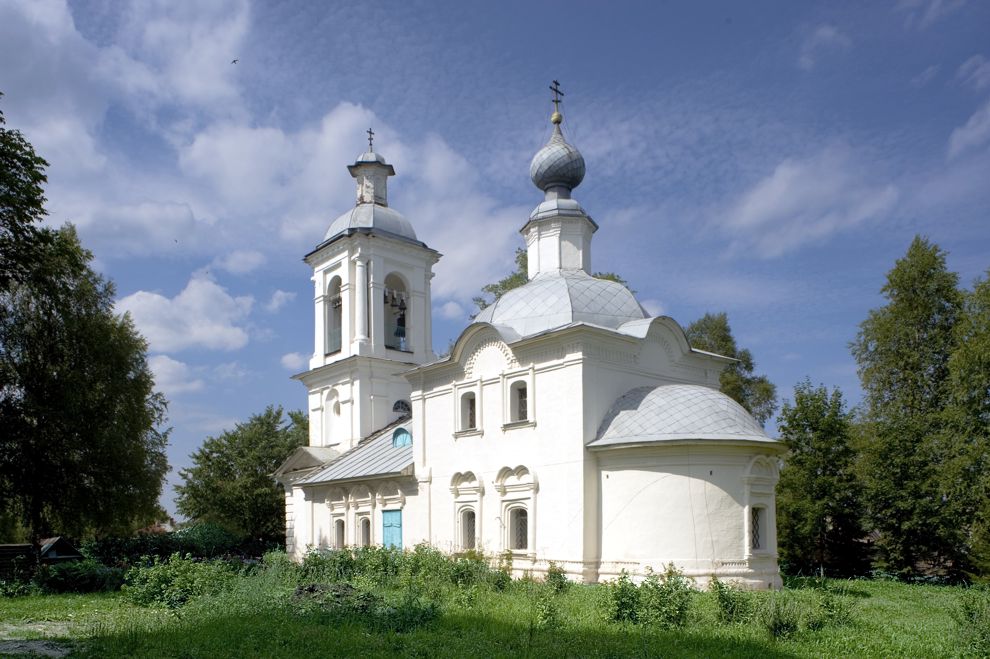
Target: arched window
518,528
401,437
396,313
338,534
468,529
402,408
469,411
518,406
365,532
334,316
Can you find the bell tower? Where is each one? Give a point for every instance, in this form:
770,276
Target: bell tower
371,285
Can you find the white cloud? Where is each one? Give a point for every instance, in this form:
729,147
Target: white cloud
241,261
451,310
294,361
805,201
975,72
925,76
279,299
173,377
653,307
922,14
231,371
203,315
823,39
973,134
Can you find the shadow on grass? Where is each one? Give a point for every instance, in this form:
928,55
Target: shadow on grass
468,634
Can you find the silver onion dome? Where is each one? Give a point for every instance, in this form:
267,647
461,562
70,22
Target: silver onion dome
558,164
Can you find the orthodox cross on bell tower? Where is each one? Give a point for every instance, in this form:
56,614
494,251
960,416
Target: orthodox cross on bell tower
556,117
371,140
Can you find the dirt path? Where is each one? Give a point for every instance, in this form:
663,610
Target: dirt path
34,648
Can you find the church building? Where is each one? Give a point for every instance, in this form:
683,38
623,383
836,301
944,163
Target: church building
566,424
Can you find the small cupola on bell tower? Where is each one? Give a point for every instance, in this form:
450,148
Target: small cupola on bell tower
558,233
371,172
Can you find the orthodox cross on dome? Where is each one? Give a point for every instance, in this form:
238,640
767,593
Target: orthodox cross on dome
556,117
371,140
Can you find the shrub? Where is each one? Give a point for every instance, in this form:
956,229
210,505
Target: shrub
173,582
380,565
779,615
17,588
206,540
664,598
499,579
973,616
619,599
86,576
469,568
556,578
329,565
731,603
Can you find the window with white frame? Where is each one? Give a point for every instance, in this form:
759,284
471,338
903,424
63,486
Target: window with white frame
338,534
469,411
518,488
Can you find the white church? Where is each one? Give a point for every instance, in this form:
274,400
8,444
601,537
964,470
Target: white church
566,424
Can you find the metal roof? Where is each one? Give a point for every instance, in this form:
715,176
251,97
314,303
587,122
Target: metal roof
677,412
375,217
373,457
556,299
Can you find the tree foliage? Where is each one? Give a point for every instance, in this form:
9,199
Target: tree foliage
966,475
756,393
22,202
819,503
903,351
519,277
80,451
230,482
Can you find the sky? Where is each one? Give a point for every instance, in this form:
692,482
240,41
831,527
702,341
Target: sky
767,159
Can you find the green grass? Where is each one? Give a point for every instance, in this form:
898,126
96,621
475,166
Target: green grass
258,618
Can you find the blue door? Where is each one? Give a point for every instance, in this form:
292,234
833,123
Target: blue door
392,528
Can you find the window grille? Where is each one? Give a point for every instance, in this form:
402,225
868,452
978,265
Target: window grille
401,437
519,529
467,529
757,514
521,403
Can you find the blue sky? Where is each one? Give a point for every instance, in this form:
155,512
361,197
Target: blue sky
767,159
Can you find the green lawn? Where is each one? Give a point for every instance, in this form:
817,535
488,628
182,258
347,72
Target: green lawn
260,618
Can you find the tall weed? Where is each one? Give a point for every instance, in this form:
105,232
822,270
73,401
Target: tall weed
732,604
779,615
664,598
973,617
619,599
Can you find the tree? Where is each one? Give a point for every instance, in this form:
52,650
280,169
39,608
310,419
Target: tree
230,482
903,350
80,451
819,506
519,277
756,393
967,425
